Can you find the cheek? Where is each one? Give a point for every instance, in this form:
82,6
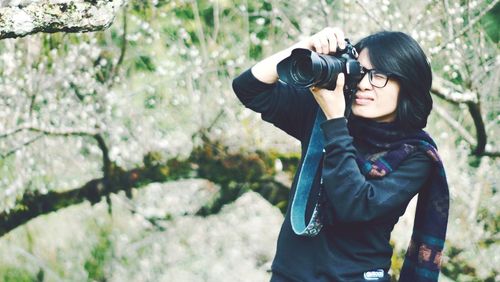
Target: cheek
389,99
390,103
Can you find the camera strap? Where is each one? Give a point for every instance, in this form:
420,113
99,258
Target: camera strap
305,181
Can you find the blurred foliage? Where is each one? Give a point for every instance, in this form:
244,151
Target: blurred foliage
491,22
459,269
13,274
99,255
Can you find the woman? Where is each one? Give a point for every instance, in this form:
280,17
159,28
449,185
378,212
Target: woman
371,164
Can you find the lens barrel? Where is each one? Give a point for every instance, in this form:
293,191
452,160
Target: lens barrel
306,68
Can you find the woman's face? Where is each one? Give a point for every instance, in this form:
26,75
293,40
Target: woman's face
375,103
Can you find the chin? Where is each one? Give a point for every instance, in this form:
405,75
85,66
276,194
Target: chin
362,113
380,117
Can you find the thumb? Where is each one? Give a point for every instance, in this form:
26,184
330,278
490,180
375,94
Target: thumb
340,79
340,82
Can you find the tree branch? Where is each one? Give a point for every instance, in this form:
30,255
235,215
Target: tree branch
32,140
123,48
46,16
199,31
211,160
475,112
106,165
50,131
452,93
325,10
154,220
466,28
455,125
289,26
216,15
492,153
64,133
370,15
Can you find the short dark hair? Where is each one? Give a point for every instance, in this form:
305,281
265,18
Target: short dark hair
399,54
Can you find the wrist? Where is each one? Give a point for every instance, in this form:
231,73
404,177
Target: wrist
334,115
304,44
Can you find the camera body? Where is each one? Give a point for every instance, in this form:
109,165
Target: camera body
306,68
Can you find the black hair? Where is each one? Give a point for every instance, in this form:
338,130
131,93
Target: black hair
399,54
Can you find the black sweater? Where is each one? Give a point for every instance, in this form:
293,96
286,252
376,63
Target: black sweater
362,212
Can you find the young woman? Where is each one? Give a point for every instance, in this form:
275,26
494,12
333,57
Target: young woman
369,166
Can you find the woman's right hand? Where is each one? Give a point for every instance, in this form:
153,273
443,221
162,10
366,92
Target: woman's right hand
325,41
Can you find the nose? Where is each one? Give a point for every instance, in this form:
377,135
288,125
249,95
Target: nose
364,83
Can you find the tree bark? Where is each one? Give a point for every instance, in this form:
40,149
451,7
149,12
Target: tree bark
61,16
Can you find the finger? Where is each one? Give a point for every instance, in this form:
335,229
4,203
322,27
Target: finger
332,40
339,34
316,44
324,45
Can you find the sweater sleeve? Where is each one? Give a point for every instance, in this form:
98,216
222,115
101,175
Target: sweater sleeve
284,106
352,196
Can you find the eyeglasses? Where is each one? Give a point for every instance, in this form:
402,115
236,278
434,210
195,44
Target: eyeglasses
377,78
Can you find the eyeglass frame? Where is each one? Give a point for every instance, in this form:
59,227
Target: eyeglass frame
370,72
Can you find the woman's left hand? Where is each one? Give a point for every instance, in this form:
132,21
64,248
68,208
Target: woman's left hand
331,102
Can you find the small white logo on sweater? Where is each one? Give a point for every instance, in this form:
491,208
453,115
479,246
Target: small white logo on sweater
374,274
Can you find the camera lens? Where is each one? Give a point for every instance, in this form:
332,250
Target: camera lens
302,71
305,68
328,68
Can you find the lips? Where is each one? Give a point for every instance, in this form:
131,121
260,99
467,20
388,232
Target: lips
363,99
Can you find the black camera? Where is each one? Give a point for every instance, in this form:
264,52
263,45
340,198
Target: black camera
305,68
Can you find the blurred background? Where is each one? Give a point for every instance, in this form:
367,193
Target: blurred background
125,155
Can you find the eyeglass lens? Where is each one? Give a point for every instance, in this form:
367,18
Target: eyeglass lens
377,79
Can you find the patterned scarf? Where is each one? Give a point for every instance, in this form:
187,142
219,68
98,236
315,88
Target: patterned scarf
423,257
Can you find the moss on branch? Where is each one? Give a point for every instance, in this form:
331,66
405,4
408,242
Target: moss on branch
234,172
